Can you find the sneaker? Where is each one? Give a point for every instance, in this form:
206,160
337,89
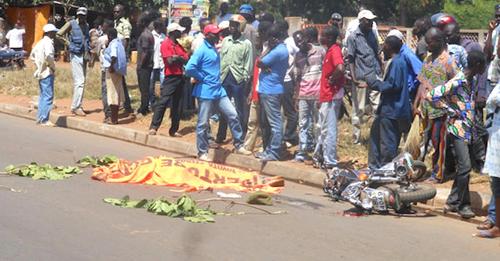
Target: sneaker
204,157
79,112
299,158
260,155
175,135
288,144
152,132
466,212
46,124
243,151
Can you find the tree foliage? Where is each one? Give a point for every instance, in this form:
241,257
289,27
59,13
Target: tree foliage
472,14
101,5
397,12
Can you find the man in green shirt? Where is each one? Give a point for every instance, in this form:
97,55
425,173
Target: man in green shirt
236,70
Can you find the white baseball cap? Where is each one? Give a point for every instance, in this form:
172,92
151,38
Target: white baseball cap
175,27
81,11
224,25
366,14
396,33
49,28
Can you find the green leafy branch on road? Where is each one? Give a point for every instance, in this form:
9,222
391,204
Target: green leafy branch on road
42,172
185,208
95,161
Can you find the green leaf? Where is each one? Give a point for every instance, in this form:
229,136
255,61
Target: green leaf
10,168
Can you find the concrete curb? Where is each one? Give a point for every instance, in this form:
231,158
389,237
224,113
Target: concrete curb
311,177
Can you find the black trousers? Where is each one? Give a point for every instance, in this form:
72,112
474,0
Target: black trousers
144,79
459,196
171,92
385,136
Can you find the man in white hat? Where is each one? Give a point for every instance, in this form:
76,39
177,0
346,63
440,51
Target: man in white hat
174,57
43,58
78,46
362,54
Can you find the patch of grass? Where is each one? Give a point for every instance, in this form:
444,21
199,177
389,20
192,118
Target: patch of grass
22,82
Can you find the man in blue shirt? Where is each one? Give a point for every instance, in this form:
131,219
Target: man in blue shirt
394,112
273,65
413,62
204,67
115,64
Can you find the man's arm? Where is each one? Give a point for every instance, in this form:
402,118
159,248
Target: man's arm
248,61
49,56
193,66
488,46
351,54
437,95
394,83
62,33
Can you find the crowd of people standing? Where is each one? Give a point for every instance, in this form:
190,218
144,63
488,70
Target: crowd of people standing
254,78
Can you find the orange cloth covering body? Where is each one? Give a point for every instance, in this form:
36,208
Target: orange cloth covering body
190,174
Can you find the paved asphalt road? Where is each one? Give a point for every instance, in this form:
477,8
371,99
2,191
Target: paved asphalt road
67,220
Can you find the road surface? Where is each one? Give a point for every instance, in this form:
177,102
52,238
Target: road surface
67,220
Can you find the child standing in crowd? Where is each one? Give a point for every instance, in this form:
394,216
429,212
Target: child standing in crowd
43,57
115,64
330,99
307,74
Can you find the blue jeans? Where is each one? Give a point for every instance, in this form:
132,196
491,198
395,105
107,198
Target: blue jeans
492,216
308,118
226,108
79,70
271,125
290,113
326,146
156,75
238,92
45,99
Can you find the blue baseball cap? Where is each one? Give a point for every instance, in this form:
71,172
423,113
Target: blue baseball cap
246,9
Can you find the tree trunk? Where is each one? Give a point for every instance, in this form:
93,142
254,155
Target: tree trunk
403,12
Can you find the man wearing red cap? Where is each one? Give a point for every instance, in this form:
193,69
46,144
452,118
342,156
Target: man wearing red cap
204,67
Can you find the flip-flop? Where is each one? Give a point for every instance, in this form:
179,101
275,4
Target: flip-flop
484,234
486,225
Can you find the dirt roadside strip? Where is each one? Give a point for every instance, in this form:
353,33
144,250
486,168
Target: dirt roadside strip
308,176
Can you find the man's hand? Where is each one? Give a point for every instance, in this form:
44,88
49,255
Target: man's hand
362,84
194,81
492,25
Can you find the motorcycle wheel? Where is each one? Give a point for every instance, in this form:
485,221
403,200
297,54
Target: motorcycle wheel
422,193
420,170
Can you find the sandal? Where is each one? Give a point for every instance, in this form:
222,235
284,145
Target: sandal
486,234
485,225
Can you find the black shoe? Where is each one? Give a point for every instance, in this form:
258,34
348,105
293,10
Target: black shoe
466,212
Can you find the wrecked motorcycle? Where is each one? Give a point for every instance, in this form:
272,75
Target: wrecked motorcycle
390,187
